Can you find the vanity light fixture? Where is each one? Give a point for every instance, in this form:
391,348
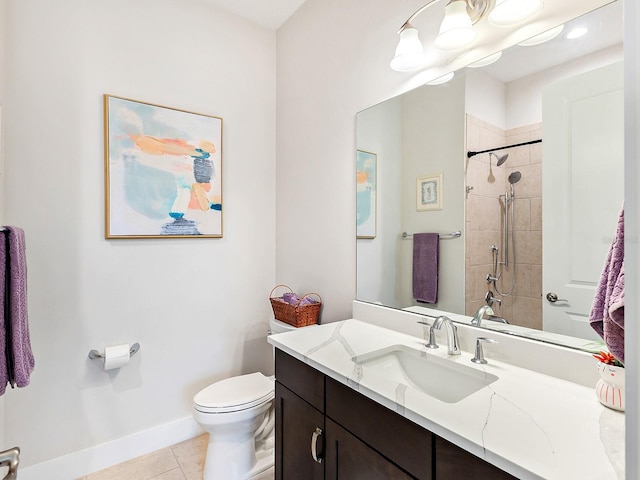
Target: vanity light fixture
512,12
456,30
543,37
409,52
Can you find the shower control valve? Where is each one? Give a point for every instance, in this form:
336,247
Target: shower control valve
490,278
489,299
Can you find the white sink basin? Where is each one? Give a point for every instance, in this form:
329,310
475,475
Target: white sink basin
446,380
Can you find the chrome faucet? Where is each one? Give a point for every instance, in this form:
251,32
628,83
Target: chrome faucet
453,345
484,309
493,318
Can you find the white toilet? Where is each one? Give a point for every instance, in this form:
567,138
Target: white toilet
238,414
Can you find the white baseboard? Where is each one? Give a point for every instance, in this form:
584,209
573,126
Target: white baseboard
83,462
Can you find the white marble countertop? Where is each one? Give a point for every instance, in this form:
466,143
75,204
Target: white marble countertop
529,424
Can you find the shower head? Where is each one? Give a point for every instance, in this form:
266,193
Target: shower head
515,177
499,159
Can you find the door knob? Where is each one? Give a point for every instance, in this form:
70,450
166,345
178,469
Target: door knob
553,298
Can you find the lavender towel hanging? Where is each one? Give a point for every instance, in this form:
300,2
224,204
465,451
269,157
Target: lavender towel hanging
607,313
16,357
425,267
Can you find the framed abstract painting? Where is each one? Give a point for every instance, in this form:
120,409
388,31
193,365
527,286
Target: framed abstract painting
366,194
163,171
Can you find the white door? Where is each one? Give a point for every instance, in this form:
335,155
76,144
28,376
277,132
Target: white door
583,191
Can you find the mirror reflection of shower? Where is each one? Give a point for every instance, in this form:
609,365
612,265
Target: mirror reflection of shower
508,238
500,159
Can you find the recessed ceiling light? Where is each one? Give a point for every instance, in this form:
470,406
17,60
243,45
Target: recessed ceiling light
576,33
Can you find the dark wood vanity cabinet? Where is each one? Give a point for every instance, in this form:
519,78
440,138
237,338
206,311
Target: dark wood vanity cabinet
454,462
356,438
349,458
296,420
299,405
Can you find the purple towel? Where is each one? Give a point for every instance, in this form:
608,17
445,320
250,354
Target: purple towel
425,267
16,358
607,313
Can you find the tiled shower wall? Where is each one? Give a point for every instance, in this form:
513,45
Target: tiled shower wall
484,210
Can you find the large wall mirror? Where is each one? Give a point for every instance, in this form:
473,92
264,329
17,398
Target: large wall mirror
535,220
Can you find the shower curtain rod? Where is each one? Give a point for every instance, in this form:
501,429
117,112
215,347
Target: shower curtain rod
472,154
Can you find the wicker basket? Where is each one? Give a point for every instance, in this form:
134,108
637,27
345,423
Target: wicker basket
296,315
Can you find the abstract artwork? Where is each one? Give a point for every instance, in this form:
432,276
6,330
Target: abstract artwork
163,171
366,172
429,192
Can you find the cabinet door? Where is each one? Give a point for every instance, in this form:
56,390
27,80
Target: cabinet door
296,422
403,442
453,463
348,458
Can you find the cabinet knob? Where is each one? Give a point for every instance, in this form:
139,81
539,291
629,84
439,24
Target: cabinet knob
317,435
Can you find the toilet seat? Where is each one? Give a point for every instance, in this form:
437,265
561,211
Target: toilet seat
235,394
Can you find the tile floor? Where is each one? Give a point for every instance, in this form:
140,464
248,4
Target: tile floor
183,461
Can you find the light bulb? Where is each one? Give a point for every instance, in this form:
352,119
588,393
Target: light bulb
456,30
409,52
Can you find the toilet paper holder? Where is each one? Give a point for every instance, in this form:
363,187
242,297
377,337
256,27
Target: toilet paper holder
93,354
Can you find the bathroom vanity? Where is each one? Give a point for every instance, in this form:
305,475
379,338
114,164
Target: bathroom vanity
347,406
356,437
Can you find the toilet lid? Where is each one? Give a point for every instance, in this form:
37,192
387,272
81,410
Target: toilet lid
235,393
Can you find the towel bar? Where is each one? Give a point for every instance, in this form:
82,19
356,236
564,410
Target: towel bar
441,235
93,354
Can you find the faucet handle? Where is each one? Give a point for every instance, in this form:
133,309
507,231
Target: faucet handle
479,357
432,337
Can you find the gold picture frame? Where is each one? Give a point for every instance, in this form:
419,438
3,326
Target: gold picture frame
163,171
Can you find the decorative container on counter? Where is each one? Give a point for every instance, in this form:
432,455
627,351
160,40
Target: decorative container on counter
610,387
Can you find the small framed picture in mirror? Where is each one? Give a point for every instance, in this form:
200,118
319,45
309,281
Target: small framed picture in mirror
429,192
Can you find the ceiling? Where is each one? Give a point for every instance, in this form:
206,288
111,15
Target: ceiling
604,29
270,14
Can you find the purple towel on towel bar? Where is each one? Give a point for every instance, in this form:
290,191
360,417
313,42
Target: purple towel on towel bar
607,313
425,267
16,358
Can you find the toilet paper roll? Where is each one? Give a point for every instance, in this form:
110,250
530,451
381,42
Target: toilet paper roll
116,356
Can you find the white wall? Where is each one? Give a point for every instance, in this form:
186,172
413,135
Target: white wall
433,128
486,97
198,307
379,131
